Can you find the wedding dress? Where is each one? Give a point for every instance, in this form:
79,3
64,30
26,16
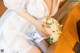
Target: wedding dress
16,32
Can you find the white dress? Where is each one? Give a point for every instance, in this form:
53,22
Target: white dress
14,29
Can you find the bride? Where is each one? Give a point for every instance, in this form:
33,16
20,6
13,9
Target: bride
23,23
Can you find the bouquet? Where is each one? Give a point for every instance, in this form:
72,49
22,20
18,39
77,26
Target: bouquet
54,30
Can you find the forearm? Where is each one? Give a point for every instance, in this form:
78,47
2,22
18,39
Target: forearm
26,16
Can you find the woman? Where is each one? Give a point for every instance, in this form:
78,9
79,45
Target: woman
19,27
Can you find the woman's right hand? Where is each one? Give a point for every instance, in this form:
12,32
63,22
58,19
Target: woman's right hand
40,28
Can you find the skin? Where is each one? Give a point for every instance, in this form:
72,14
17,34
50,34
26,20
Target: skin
34,50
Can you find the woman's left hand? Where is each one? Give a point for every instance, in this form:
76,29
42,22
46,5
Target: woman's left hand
40,26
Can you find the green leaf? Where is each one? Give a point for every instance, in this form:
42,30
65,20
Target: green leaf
50,40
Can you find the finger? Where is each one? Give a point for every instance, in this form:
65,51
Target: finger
41,33
46,33
45,25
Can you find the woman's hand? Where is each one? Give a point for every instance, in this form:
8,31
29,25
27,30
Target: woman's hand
40,28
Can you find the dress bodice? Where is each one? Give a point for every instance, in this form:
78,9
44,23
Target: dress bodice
36,8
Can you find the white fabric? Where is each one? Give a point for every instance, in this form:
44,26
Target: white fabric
55,7
12,36
15,30
36,8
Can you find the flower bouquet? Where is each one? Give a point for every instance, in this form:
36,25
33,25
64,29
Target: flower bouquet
55,29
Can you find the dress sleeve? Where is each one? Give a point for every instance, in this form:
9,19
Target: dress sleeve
55,7
15,4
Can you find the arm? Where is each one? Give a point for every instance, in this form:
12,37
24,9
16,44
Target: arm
38,24
27,16
35,50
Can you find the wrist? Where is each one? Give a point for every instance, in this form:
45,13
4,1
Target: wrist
36,22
